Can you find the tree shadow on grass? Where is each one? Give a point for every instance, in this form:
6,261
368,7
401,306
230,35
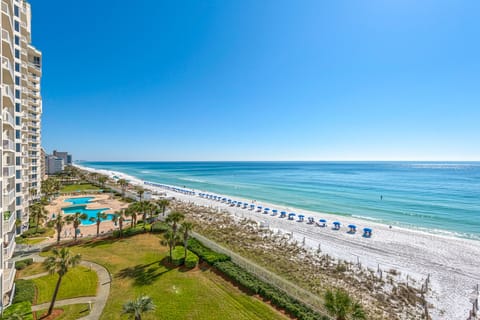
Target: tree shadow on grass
143,274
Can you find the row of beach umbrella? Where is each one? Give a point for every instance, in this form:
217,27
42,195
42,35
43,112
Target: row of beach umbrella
171,188
367,232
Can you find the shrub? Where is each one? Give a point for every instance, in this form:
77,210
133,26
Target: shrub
24,309
128,232
24,291
192,260
205,253
22,264
159,227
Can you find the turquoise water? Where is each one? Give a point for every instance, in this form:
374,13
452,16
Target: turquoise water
89,212
433,196
82,200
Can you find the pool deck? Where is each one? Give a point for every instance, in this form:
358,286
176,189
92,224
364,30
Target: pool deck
99,201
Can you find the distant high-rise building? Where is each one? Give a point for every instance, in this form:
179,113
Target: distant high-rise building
54,165
67,158
21,106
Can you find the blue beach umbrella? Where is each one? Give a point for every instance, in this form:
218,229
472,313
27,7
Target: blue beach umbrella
274,211
259,207
367,230
252,206
352,226
267,209
322,220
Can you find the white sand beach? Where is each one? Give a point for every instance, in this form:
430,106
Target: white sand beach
453,264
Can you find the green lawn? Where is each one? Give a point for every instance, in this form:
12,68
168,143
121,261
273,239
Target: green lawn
23,309
70,312
78,282
136,266
78,187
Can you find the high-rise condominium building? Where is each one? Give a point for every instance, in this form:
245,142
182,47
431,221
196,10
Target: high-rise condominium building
21,106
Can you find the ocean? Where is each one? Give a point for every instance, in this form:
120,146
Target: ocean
431,196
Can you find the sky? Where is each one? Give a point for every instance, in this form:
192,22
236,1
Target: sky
260,80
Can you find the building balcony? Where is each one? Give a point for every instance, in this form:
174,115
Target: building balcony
8,171
9,273
7,43
8,145
8,119
8,197
7,91
8,69
7,16
8,221
8,249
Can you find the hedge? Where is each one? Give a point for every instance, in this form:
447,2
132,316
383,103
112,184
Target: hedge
178,257
159,227
24,291
23,309
22,264
249,281
206,254
128,232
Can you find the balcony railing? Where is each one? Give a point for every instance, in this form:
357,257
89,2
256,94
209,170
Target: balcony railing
8,145
7,117
9,276
9,222
8,90
8,197
7,65
8,171
8,250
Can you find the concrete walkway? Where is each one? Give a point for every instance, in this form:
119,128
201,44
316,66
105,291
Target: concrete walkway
99,301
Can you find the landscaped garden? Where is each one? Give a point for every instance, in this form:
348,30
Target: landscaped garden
139,266
78,188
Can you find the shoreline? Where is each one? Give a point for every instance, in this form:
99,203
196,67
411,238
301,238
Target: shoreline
450,262
360,221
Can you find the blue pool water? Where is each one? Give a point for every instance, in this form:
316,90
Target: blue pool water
433,196
82,200
89,212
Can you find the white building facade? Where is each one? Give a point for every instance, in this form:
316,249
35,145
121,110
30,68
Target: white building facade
21,105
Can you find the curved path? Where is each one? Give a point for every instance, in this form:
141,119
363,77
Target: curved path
98,301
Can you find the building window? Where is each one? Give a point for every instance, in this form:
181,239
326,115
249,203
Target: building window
17,94
17,80
18,121
17,53
17,40
17,67
16,11
18,107
18,174
17,147
17,26
18,134
18,187
18,201
18,161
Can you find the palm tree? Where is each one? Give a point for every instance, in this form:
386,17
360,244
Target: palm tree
140,192
102,180
60,222
174,218
76,219
59,263
171,239
186,228
341,306
132,212
97,219
123,184
138,306
118,218
163,204
38,213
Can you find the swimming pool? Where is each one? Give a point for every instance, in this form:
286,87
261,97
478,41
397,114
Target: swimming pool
89,212
82,200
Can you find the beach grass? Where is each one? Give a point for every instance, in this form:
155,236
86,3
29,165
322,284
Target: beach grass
70,312
29,241
138,267
78,187
33,269
78,282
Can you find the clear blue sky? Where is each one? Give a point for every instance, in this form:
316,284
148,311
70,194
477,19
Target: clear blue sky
260,79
